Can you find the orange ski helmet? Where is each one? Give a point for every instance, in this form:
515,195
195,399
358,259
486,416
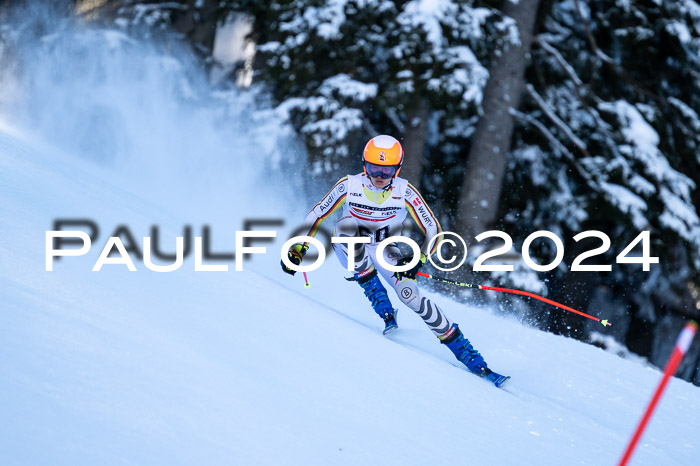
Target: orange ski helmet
384,151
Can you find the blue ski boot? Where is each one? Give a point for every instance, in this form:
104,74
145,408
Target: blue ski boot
376,293
465,352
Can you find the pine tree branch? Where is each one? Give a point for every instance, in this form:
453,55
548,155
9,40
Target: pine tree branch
551,115
612,63
582,90
557,146
568,69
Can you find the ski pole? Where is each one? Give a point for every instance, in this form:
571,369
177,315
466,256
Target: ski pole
519,292
306,281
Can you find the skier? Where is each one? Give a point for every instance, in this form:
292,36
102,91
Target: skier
374,204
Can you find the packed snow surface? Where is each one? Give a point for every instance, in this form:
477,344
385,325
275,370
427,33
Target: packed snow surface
119,367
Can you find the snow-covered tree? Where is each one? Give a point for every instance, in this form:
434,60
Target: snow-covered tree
483,177
193,20
608,140
344,70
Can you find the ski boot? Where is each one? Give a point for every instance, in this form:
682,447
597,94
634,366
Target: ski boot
376,293
465,353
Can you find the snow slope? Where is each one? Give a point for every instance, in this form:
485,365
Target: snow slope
119,367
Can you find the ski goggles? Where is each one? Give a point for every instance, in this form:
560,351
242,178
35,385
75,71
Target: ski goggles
381,171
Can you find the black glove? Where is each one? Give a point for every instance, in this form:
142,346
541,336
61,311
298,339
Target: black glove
295,255
410,273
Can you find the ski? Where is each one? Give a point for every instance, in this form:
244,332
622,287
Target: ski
495,378
389,328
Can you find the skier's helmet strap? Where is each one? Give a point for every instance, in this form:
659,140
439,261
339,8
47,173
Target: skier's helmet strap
383,150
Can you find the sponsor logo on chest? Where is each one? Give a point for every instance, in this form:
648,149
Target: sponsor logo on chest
373,211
